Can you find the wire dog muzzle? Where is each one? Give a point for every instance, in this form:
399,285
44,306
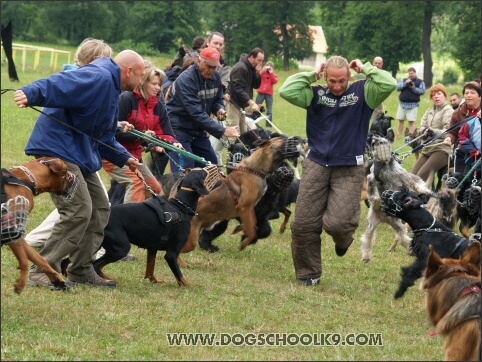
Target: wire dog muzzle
14,219
212,178
388,205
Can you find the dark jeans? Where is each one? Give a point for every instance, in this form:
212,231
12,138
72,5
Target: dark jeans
198,145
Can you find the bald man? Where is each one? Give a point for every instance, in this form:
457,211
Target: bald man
379,110
78,125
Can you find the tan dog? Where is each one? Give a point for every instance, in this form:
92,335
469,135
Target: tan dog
21,184
444,207
453,302
240,191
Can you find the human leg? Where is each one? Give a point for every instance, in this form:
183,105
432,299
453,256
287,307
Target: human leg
179,162
136,191
411,115
433,163
307,225
38,236
201,146
234,117
81,270
401,121
343,205
269,107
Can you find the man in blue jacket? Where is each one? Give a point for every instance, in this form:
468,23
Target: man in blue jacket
195,95
78,125
337,119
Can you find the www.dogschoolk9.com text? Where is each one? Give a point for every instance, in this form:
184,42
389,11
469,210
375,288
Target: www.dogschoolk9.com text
274,339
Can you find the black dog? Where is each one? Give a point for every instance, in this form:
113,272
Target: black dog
410,207
277,183
155,224
382,126
284,199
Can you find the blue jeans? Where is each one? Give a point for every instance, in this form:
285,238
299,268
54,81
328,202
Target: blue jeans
269,103
198,145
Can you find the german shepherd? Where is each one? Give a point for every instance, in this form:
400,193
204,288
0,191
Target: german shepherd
453,302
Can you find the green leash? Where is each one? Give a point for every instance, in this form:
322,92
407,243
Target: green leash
158,142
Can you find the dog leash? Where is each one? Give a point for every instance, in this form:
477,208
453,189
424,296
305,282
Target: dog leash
467,175
157,142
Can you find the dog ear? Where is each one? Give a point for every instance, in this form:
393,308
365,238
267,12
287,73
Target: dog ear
433,262
424,197
472,254
55,164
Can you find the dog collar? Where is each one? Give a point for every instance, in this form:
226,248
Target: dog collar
247,169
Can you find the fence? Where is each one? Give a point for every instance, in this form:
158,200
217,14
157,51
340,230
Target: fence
24,48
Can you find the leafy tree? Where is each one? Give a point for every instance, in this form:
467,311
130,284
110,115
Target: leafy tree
466,48
279,28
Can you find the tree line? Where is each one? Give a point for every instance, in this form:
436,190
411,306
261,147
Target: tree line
399,31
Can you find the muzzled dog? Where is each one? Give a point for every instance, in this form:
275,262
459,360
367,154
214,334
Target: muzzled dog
156,224
382,126
453,302
426,230
20,184
443,206
241,191
386,174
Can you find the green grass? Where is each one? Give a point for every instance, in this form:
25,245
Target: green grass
253,291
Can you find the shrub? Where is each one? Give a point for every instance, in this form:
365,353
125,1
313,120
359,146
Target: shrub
450,76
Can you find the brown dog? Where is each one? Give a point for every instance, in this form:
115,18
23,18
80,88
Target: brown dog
240,191
453,302
444,207
22,183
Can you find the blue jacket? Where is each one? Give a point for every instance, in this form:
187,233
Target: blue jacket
192,99
87,100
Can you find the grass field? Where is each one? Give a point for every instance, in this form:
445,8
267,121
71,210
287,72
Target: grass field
240,293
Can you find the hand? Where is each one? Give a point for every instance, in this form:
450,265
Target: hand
319,70
127,126
182,50
150,133
475,154
132,163
20,98
231,132
177,145
221,114
254,107
356,65
428,132
448,141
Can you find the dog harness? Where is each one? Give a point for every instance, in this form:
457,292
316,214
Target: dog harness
9,178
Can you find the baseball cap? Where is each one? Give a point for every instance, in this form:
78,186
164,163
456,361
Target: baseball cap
211,56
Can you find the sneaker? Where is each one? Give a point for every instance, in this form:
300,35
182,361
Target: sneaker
92,280
36,279
128,257
309,281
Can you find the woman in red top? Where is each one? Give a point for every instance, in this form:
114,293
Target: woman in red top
144,109
265,90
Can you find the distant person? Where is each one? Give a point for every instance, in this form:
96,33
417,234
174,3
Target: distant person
85,99
265,90
147,113
434,122
380,109
196,94
410,88
244,78
455,100
183,52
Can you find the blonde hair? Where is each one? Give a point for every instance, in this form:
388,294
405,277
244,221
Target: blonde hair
149,73
270,64
91,49
437,88
338,62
